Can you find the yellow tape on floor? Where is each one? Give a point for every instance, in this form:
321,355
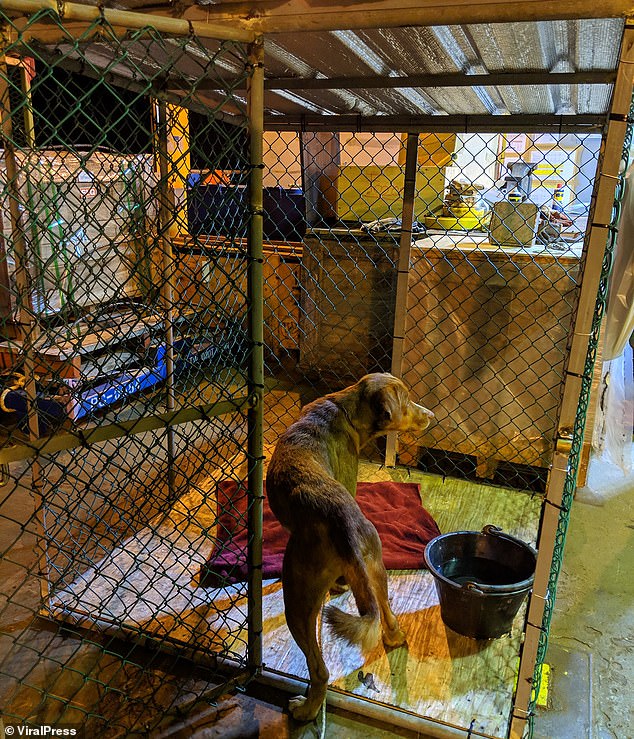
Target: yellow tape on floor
544,685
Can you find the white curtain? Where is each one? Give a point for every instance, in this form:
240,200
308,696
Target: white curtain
619,318
612,437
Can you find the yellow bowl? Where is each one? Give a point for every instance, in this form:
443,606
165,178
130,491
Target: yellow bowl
464,223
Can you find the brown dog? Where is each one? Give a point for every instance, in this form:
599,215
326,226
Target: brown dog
311,484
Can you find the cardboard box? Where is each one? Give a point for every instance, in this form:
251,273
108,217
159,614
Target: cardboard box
513,224
77,215
368,193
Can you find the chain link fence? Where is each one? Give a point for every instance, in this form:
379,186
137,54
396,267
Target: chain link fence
480,327
491,285
125,382
583,420
453,260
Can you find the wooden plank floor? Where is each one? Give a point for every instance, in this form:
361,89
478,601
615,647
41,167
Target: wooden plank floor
149,584
438,674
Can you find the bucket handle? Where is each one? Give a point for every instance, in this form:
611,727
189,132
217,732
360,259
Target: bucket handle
493,530
472,587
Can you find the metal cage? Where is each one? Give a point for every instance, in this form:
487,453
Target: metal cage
188,255
131,380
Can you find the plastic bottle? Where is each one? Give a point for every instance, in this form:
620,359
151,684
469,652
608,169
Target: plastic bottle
514,195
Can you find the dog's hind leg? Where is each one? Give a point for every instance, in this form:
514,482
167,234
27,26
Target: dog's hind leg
392,634
305,586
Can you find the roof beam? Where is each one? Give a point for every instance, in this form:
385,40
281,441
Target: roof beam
292,16
457,79
589,123
441,80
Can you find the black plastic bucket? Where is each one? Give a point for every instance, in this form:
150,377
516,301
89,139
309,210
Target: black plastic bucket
481,578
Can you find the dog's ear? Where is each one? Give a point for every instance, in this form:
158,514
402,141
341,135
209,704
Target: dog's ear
385,405
384,412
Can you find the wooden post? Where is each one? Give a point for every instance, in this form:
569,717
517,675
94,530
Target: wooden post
405,248
166,272
27,325
26,319
6,304
178,153
600,218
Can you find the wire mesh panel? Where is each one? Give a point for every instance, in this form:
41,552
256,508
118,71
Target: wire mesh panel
620,143
130,335
472,305
496,244
125,382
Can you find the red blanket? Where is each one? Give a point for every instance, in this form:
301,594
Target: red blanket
395,509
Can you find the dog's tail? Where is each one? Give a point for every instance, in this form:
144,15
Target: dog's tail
364,629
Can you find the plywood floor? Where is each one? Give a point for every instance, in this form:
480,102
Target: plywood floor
439,674
148,584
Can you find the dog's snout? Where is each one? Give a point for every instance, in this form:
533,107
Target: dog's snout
424,411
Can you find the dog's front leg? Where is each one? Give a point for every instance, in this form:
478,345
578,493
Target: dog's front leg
305,587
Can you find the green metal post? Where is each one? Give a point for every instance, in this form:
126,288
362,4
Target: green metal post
256,370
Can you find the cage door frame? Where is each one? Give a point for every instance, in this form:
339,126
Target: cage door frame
603,220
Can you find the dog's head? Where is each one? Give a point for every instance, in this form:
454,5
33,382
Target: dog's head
389,406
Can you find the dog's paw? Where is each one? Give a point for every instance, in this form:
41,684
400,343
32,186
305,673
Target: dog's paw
301,709
394,638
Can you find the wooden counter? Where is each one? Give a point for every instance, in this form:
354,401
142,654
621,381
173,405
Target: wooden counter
485,339
485,345
348,288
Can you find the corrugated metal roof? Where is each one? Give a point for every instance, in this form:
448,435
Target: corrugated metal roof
547,47
392,56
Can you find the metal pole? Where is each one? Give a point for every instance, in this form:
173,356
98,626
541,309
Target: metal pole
486,123
452,79
405,248
371,711
324,15
255,417
541,600
131,19
29,133
120,430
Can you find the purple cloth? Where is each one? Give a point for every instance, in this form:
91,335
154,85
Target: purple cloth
404,528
